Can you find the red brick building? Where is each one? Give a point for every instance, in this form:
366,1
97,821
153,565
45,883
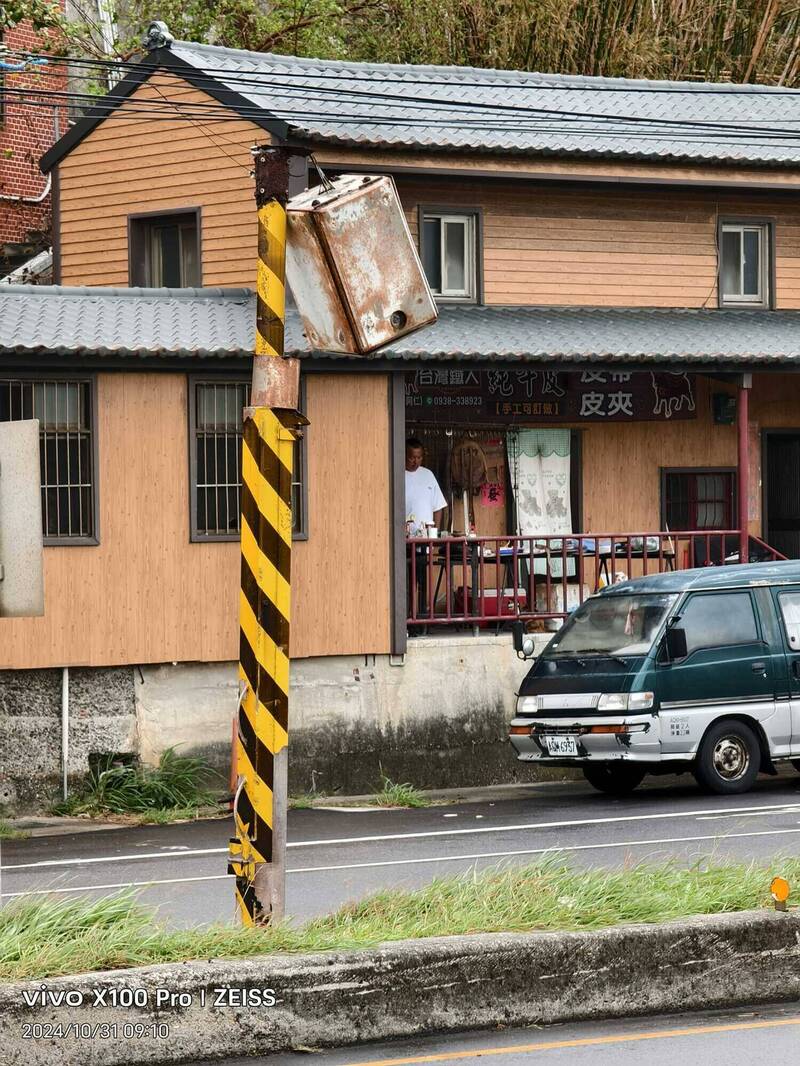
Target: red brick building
27,130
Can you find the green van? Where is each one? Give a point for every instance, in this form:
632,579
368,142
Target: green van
694,670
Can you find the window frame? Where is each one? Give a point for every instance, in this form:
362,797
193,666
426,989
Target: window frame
473,216
698,471
197,537
140,227
705,594
767,265
787,637
89,379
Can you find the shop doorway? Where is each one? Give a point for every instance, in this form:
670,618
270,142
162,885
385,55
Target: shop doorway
781,466
491,511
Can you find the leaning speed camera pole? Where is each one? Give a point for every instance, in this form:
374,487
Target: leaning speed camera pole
257,852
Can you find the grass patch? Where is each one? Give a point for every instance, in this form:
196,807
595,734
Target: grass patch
302,803
169,815
43,937
178,784
402,795
10,832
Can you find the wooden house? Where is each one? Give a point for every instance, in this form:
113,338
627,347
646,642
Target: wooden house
617,266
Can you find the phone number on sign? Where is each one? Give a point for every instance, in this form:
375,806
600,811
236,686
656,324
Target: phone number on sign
95,1031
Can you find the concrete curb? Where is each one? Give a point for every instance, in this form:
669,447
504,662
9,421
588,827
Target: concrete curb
402,989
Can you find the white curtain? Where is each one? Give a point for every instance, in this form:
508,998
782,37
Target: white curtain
539,463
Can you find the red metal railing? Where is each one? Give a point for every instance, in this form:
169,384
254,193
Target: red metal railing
485,580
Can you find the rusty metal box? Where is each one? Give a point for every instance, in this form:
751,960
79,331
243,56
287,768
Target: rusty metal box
352,266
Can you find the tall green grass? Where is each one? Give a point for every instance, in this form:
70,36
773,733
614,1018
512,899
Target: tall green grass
178,782
42,937
10,832
399,794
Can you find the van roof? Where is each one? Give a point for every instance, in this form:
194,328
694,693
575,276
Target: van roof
712,577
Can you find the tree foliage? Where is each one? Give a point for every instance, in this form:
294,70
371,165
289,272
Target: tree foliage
295,27
717,40
44,14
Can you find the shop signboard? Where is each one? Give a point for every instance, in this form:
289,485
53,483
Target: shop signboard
457,395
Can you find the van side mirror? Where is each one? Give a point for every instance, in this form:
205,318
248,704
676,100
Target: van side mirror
676,644
523,642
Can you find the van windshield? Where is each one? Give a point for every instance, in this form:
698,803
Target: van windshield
613,625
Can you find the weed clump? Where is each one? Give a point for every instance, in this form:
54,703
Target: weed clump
179,784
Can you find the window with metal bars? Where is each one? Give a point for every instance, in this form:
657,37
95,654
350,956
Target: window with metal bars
64,408
698,499
215,426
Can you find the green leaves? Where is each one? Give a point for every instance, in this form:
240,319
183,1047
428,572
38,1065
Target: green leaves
44,14
178,782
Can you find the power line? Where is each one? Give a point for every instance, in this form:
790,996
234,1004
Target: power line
556,123
203,79
594,83
574,123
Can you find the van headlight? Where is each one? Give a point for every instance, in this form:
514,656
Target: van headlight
527,705
626,701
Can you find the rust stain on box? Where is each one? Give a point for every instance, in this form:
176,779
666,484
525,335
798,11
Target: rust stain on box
353,268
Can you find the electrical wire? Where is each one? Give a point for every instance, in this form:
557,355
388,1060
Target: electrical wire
612,126
594,83
201,79
536,118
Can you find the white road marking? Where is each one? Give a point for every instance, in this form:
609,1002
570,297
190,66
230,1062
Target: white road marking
748,814
416,862
428,834
114,858
358,810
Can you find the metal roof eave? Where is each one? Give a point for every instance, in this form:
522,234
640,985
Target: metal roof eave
159,59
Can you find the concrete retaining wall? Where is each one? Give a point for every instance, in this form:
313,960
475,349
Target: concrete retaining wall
414,987
102,719
438,718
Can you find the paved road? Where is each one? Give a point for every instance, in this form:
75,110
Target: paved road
715,1038
339,855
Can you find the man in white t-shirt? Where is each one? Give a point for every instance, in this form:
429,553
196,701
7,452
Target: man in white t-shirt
424,500
425,506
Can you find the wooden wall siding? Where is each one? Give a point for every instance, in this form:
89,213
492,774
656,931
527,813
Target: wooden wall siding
533,168
614,246
145,594
130,165
340,577
621,463
543,243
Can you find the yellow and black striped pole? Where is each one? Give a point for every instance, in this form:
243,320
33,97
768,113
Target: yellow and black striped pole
257,852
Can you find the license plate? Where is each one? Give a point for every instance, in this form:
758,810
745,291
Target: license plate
561,745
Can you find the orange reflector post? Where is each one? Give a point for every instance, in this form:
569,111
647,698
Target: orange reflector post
780,892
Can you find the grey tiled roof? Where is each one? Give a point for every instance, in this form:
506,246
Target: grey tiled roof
464,108
145,322
219,323
602,334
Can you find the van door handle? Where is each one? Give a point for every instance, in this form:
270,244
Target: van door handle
758,668
796,668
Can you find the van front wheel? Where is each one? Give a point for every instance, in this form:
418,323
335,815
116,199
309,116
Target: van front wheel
613,778
729,759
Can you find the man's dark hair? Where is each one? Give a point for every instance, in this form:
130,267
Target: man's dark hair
413,442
